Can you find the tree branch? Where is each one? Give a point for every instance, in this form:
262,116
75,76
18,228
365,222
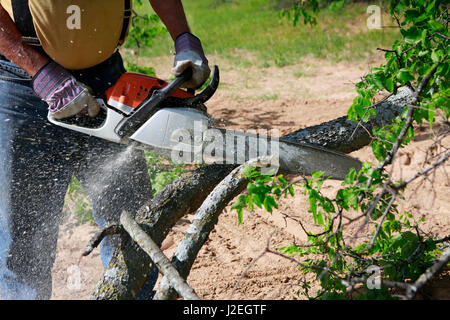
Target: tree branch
99,236
130,265
422,173
427,275
346,136
158,257
203,223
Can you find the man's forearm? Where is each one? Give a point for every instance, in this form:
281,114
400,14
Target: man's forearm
172,14
12,47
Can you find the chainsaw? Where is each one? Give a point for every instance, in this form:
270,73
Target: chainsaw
160,117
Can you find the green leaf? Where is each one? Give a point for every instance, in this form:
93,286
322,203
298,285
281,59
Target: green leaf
317,174
240,216
434,56
350,177
353,200
378,150
389,84
436,26
257,200
312,203
328,206
318,218
291,190
404,75
282,180
269,203
412,35
240,203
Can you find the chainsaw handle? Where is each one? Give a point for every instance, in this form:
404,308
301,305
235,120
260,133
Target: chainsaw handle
177,82
111,121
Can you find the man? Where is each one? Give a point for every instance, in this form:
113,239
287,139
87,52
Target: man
55,56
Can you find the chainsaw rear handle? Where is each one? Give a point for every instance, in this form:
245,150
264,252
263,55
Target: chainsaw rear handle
111,121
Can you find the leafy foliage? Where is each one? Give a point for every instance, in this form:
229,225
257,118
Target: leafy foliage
162,171
78,203
144,27
302,9
396,247
263,191
134,67
308,10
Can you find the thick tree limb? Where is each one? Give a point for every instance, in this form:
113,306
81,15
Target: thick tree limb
205,218
162,262
204,221
347,136
129,266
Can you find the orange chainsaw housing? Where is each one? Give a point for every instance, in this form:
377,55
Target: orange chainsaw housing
133,88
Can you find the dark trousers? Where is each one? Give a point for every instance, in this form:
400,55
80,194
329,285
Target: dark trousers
37,161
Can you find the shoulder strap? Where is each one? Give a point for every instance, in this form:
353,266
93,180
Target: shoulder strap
24,21
126,21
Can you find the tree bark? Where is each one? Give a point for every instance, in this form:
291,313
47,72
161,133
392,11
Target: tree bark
203,223
347,136
129,266
163,263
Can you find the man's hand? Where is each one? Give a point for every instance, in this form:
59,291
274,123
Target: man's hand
189,51
189,54
65,96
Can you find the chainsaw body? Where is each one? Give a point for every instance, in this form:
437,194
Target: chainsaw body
147,110
159,117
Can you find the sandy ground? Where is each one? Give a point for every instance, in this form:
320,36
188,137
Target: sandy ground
287,99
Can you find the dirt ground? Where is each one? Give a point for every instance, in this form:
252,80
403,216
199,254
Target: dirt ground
287,99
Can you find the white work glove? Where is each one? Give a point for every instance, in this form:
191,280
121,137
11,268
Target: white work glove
189,53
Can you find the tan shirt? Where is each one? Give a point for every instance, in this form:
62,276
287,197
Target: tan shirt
77,34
